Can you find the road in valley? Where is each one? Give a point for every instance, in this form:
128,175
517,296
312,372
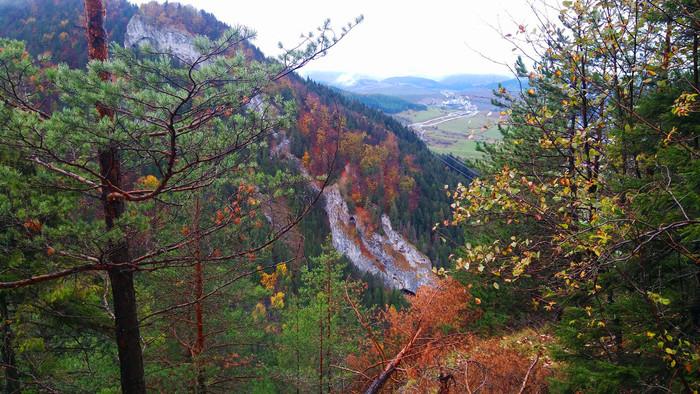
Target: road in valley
420,127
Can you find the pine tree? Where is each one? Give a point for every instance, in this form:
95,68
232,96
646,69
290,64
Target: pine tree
590,202
319,328
129,134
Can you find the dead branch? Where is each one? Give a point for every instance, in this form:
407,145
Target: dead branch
364,324
527,375
391,367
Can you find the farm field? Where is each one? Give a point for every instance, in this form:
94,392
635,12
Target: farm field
421,116
456,135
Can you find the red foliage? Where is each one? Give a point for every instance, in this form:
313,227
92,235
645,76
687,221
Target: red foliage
436,313
443,348
369,149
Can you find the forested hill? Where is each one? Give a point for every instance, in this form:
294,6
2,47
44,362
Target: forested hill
57,27
387,104
164,221
193,248
386,169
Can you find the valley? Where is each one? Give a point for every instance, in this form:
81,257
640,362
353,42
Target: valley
453,132
458,113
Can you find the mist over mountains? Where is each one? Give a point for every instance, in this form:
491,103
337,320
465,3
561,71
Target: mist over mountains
419,89
360,83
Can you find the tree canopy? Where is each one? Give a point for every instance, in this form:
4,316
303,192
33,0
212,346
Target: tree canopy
135,140
589,208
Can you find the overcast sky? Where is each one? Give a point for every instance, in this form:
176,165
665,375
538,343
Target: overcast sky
397,37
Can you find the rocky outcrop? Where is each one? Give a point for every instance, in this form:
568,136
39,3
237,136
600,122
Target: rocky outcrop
390,256
163,38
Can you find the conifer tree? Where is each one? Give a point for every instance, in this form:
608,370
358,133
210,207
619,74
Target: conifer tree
591,199
131,133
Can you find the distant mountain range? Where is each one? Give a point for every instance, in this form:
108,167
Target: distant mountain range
418,89
453,82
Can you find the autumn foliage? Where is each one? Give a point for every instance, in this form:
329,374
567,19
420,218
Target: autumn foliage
431,336
370,153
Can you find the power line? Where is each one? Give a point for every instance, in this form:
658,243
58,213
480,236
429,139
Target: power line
461,163
471,175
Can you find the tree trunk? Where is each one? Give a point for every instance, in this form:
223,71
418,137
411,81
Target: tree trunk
378,383
7,354
696,83
121,274
328,322
198,306
696,78
127,330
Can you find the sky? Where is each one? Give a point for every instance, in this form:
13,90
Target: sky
429,39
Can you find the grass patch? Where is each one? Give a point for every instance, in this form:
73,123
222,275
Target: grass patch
476,123
421,116
465,149
453,136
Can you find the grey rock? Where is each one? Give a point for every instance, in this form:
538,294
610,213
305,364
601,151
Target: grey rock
162,38
389,256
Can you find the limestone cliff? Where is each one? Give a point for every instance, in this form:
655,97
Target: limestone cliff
389,255
162,38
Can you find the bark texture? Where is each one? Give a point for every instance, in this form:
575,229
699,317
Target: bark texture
121,273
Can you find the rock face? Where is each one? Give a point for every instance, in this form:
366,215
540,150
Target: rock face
390,256
162,38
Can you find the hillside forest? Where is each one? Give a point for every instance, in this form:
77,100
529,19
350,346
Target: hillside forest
165,221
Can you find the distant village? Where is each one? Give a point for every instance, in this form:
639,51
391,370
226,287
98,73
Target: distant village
458,105
459,102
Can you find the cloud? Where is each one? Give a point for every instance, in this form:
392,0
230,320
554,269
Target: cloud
347,79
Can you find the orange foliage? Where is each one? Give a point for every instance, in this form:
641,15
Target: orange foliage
352,145
269,281
473,363
434,308
33,226
305,124
434,311
443,348
219,217
356,195
409,161
370,151
391,184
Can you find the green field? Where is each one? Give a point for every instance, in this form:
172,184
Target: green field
465,149
475,124
421,116
454,136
